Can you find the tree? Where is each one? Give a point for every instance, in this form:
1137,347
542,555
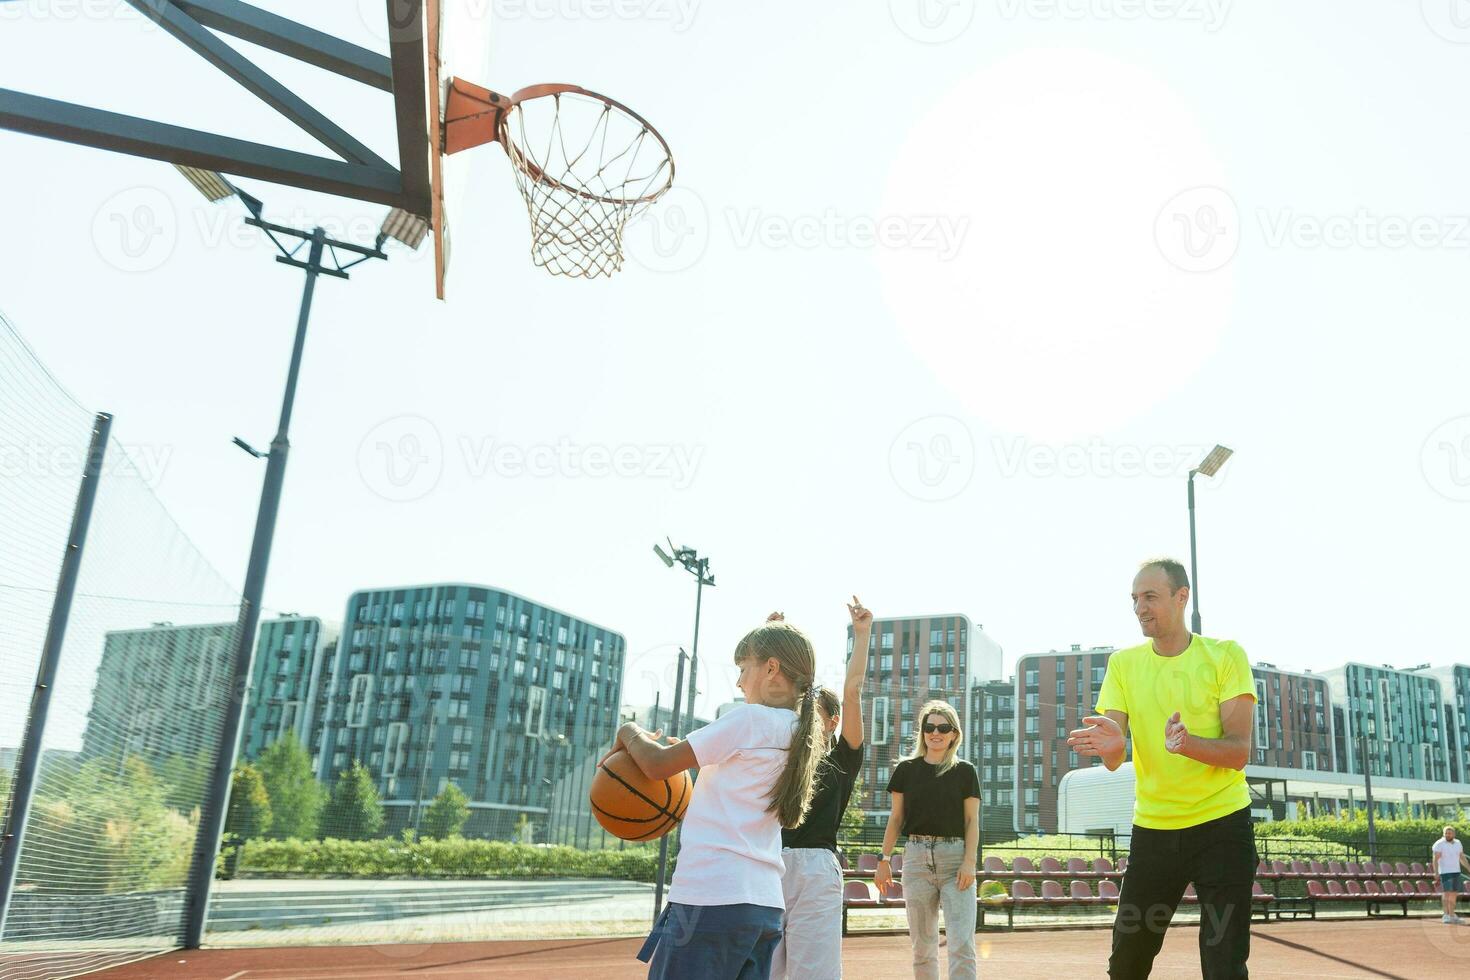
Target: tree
353,813
249,815
296,797
185,780
446,816
850,829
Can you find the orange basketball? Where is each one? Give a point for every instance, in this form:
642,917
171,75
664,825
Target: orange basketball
631,806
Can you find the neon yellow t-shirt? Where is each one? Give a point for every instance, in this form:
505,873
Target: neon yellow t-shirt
1174,791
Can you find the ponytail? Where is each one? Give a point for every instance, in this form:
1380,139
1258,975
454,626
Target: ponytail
791,797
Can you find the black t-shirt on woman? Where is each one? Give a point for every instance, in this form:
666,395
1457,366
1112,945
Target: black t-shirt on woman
934,805
835,779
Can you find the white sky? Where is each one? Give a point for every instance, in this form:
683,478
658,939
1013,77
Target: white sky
1032,296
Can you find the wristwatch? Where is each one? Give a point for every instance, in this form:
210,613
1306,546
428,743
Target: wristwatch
885,857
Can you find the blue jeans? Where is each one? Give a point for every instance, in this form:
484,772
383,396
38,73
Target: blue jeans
929,871
712,942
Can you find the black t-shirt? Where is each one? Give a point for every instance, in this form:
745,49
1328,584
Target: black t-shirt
934,805
835,777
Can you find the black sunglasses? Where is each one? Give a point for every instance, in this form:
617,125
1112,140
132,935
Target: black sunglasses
944,728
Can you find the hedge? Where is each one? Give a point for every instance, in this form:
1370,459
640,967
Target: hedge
452,858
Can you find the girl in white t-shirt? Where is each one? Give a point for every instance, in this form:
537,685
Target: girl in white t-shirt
757,770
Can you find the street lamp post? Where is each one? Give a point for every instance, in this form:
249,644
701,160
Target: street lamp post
322,258
1209,467
699,568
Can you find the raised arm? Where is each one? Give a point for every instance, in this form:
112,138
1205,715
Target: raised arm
857,669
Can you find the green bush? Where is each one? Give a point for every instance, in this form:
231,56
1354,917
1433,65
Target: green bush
452,858
446,816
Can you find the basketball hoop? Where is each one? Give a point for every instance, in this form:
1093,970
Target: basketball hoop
585,165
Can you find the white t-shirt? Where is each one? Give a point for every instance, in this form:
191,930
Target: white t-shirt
730,845
1448,852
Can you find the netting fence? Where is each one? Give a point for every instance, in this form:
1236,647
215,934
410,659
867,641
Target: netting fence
138,699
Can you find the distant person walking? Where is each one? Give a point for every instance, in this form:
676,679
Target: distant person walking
1189,704
935,800
1449,855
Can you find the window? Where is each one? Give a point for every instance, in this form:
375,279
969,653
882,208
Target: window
395,749
1033,677
1061,689
290,712
535,711
360,693
1309,760
1033,797
881,720
205,671
1260,732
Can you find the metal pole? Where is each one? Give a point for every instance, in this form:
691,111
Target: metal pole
1193,561
212,816
28,764
694,658
663,842
1368,792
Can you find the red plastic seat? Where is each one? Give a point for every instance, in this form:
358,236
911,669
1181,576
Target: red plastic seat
1052,894
1385,869
995,866
1103,867
1051,866
1317,868
1335,889
1082,894
1190,898
859,894
1401,869
1300,869
1390,887
1336,869
1424,888
1371,887
895,864
1353,888
1258,894
1023,894
1354,870
1280,868
1315,889
867,864
1023,868
1079,868
893,894
1107,891
1417,869
842,860
1122,864
1263,870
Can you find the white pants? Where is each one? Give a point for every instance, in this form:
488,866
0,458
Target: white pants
811,940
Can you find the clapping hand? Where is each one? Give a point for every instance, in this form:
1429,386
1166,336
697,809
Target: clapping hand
1174,734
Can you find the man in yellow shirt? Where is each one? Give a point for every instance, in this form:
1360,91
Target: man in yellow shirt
1190,703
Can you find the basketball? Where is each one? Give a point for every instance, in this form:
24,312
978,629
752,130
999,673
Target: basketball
631,806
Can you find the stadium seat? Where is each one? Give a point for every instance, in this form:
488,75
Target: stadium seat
1371,887
1353,870
1317,867
1262,900
857,895
867,864
1280,869
1335,890
1082,894
895,864
1263,870
993,902
1401,869
842,860
1051,867
1052,894
1103,868
995,866
1335,869
1190,898
1353,888
1385,869
1022,867
1424,888
1107,891
1079,868
1417,869
1023,894
1122,864
1299,870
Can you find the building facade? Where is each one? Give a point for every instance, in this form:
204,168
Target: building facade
1054,691
1454,686
1393,722
912,660
990,744
511,700
285,676
161,692
1294,723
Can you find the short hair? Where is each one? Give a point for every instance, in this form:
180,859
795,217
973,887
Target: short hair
1178,577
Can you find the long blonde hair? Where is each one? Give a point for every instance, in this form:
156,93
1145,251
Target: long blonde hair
950,715
791,797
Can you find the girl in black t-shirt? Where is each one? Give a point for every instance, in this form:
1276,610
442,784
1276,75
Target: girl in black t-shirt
936,803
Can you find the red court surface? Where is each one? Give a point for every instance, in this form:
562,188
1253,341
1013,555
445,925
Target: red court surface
1403,949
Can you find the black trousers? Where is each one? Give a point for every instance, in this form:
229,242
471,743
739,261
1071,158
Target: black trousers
1219,856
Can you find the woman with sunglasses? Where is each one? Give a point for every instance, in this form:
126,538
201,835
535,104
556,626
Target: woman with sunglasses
936,803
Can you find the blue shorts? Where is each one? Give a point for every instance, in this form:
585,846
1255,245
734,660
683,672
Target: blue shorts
712,942
1452,882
